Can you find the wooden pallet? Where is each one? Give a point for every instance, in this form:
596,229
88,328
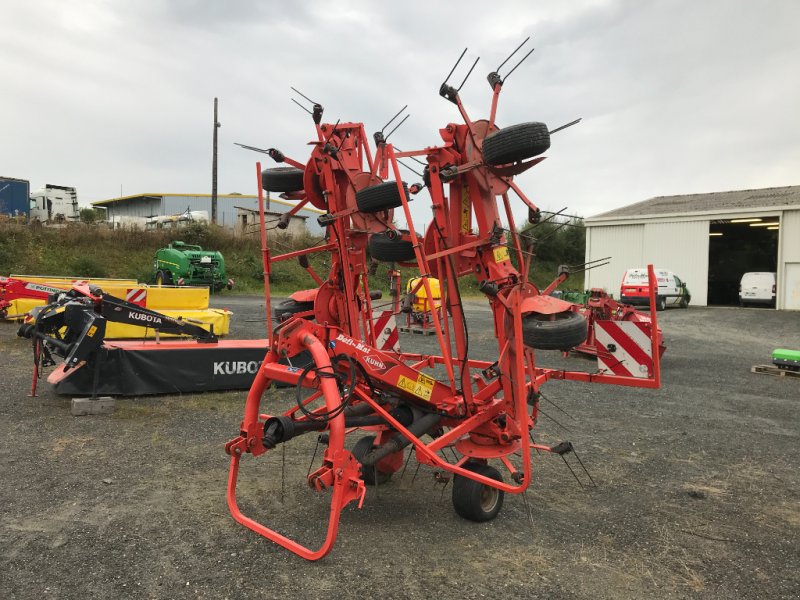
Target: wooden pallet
418,330
773,370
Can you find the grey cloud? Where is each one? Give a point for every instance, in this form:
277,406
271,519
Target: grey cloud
676,96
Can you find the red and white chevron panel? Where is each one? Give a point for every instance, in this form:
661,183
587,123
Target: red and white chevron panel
137,296
386,336
624,348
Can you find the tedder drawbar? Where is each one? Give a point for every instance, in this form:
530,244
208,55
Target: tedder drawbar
483,410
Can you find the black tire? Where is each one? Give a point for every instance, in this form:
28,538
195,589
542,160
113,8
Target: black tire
566,331
684,302
386,249
382,196
516,143
283,310
282,179
370,475
163,278
475,501
661,303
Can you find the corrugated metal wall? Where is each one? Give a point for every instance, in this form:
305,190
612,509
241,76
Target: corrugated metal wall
148,206
789,257
134,207
680,247
623,243
226,209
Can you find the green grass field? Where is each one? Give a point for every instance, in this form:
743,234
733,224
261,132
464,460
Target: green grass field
95,251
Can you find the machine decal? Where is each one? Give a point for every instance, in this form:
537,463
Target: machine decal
137,296
624,348
422,387
500,254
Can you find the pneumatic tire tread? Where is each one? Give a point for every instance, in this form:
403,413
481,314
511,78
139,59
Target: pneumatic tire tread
282,179
386,249
516,143
476,501
565,331
283,310
381,196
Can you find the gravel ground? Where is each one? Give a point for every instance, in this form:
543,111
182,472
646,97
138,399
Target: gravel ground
697,489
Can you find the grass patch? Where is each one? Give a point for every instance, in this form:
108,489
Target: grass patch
90,250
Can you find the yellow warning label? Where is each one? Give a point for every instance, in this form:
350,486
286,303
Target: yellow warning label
422,387
91,331
501,254
466,215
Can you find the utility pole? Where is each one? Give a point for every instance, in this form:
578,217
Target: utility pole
214,169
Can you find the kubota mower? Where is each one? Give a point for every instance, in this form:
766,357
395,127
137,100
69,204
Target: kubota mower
481,410
72,328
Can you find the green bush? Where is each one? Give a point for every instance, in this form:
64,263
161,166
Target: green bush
86,266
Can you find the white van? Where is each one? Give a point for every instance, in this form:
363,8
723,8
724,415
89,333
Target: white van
757,288
671,290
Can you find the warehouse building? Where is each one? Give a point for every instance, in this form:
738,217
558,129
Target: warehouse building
228,207
708,240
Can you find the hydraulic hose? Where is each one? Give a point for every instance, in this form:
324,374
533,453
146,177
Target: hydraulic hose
281,429
419,427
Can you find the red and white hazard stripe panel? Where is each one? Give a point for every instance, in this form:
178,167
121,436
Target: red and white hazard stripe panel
137,296
624,348
386,336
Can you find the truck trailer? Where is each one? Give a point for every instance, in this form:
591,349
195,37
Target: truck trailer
14,197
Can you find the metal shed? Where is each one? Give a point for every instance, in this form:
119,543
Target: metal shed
160,204
709,240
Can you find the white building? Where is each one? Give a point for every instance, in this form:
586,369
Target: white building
708,240
161,204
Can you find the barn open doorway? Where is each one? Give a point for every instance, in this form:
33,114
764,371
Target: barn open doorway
739,246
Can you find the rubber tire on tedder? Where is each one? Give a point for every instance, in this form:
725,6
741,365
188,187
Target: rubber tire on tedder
390,249
565,331
382,196
287,308
516,143
476,501
370,475
282,179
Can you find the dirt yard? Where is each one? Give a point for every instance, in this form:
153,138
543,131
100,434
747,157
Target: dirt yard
698,490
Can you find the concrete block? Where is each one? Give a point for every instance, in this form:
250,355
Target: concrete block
102,405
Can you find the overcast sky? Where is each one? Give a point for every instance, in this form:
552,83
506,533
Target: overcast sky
678,96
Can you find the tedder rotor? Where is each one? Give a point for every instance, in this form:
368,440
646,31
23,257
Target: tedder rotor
482,410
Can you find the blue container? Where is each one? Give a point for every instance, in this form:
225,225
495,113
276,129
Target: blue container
14,197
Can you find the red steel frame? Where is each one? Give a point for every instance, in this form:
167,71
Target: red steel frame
482,418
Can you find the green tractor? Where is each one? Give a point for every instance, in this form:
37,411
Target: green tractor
186,264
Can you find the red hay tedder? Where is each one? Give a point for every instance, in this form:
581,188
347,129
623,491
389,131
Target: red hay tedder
482,410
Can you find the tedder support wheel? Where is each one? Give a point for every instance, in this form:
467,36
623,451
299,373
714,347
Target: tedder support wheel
382,196
386,249
560,331
370,475
282,179
661,303
283,310
516,143
476,501
163,278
